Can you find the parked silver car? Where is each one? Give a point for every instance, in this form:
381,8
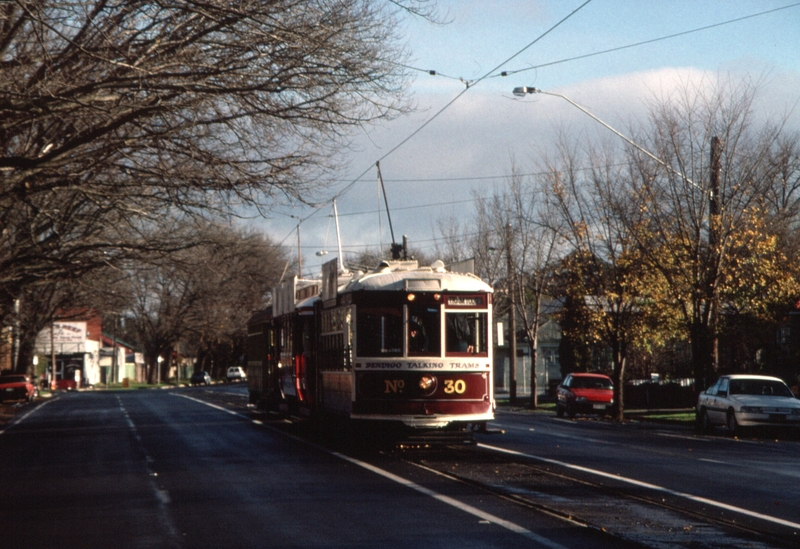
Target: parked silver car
747,401
236,373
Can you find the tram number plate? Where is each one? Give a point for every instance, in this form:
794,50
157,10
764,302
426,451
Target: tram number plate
455,386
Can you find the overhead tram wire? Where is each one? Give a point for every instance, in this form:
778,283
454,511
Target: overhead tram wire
644,42
465,90
551,63
612,50
439,112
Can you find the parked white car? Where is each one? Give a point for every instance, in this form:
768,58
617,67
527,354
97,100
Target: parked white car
747,401
236,373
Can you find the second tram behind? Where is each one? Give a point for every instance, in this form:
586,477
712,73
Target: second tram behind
402,343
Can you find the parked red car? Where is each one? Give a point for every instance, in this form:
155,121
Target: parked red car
17,387
581,393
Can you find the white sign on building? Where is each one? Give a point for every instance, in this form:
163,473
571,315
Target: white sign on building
67,337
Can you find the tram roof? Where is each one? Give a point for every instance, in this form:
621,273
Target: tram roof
405,275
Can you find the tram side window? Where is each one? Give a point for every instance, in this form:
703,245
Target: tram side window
379,332
424,331
466,333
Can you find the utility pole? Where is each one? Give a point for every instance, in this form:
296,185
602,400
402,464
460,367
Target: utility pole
512,321
713,243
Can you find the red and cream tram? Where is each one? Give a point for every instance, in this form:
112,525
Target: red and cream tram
402,343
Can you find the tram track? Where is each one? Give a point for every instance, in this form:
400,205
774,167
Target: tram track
631,515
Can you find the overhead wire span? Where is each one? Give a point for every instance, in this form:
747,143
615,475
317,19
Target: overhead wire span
440,111
434,72
645,42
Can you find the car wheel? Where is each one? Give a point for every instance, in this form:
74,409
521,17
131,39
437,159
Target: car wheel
559,411
570,411
733,425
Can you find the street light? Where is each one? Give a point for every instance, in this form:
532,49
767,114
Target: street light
713,189
522,91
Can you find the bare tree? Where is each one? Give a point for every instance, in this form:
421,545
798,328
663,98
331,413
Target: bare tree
605,261
454,244
516,245
203,294
487,242
113,114
240,268
541,248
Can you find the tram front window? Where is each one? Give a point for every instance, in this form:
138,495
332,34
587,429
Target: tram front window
379,332
466,333
423,331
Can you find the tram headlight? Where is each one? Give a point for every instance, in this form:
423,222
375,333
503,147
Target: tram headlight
427,383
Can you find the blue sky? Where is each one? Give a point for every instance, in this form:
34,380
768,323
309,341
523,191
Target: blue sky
470,145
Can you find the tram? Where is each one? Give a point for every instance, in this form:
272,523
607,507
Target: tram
402,344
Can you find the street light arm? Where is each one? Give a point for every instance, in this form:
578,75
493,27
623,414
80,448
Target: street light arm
522,91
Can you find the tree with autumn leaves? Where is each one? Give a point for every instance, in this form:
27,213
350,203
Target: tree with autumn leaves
682,247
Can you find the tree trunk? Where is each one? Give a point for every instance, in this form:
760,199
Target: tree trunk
702,355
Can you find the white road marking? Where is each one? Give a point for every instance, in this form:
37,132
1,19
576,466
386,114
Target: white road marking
557,435
683,437
634,482
706,438
162,496
482,515
231,412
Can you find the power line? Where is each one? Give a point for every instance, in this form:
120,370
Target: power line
614,49
440,111
507,73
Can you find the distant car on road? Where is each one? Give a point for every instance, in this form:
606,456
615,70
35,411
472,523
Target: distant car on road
236,373
17,387
747,401
584,393
200,378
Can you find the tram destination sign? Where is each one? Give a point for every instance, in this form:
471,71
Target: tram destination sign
466,301
422,365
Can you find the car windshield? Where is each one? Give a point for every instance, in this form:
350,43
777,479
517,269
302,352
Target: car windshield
590,383
759,387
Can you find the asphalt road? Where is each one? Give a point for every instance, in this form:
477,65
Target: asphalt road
750,481
165,469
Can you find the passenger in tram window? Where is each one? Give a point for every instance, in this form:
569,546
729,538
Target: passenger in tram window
424,331
459,335
417,340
